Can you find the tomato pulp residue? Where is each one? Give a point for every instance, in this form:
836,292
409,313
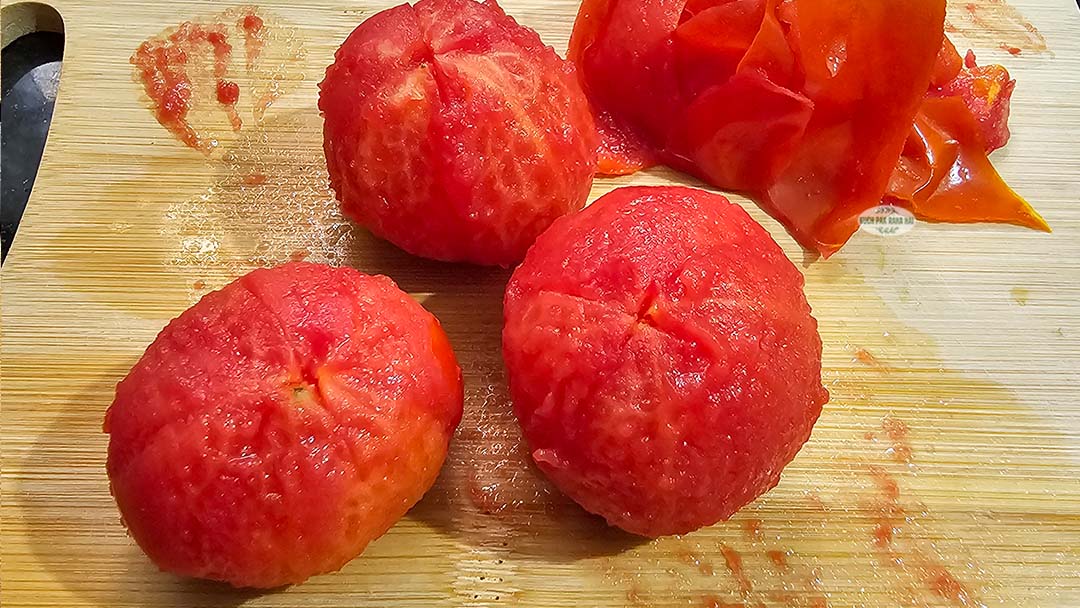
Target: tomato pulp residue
228,93
868,359
778,558
735,565
890,518
254,37
164,66
698,561
897,432
254,179
752,529
888,513
189,68
760,568
945,585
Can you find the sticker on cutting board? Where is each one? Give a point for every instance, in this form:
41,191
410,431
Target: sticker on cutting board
886,220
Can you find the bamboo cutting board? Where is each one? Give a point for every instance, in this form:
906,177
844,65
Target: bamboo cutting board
952,354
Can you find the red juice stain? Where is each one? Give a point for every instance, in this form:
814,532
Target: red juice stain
817,503
254,179
973,12
786,598
997,22
299,255
778,558
887,511
735,566
867,358
254,37
819,602
200,284
945,585
897,431
163,65
752,529
883,533
886,483
698,561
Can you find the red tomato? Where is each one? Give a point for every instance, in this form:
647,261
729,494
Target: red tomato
454,132
662,358
278,426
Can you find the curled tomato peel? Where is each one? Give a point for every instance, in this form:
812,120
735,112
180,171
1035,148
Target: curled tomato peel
818,109
959,183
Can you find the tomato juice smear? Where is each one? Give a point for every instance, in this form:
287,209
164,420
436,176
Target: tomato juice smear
734,562
163,65
254,36
890,516
697,560
778,558
765,573
752,529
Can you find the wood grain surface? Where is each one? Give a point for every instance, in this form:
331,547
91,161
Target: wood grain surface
952,354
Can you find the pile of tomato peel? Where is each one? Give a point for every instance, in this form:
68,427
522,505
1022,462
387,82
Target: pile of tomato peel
819,109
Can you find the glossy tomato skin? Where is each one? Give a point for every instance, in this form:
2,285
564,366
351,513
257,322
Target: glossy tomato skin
454,132
944,173
275,428
819,109
663,361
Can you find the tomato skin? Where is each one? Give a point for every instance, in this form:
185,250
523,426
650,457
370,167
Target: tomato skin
866,78
947,143
944,173
742,133
813,107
